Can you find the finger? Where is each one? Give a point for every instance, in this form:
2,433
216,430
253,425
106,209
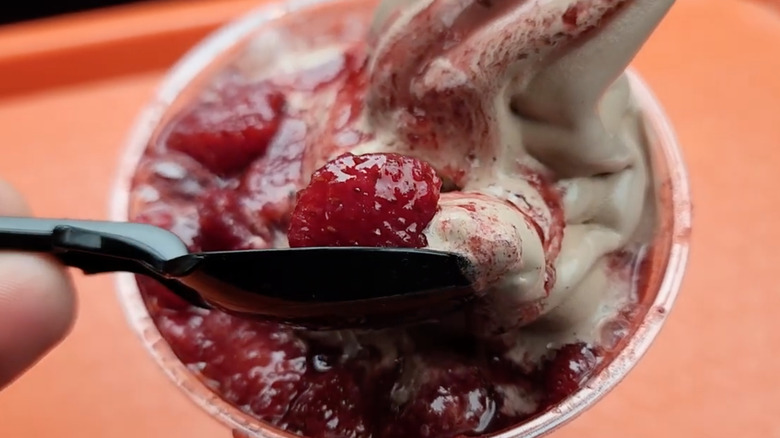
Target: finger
11,202
36,301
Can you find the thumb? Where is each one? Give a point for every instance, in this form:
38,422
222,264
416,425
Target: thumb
37,302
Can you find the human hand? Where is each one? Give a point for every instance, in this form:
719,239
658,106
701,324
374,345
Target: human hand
37,301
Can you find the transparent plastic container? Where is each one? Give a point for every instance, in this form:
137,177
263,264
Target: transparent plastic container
669,259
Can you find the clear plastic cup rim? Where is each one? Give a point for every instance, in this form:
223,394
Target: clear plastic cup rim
199,58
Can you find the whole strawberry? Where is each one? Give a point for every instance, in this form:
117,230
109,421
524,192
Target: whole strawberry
380,200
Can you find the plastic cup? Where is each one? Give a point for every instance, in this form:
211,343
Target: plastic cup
668,262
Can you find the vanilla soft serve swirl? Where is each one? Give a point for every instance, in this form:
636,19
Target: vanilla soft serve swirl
499,95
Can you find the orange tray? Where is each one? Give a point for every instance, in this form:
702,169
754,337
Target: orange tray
71,87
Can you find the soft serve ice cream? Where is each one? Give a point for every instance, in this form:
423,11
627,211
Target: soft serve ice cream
518,112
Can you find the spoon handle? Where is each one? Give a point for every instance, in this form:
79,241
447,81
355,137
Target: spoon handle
93,246
97,247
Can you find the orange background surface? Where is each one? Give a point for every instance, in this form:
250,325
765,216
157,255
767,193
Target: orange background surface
70,89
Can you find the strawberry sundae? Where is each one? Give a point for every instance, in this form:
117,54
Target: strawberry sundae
502,130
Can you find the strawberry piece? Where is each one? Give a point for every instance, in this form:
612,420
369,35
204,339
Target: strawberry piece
571,16
330,406
258,365
452,400
366,200
182,331
254,365
227,131
172,176
225,224
271,182
568,370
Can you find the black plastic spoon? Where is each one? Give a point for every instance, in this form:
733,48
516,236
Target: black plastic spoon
319,288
